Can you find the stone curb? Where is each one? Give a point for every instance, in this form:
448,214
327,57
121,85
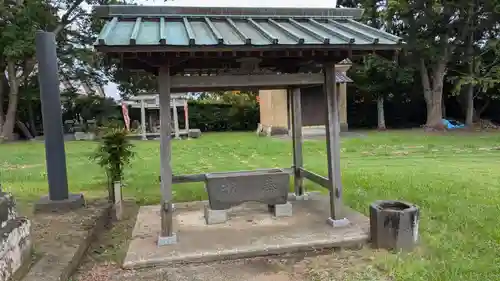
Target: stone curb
353,243
44,269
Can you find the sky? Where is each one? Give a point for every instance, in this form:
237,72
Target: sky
111,89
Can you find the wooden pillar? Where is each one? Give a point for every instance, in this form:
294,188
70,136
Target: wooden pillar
143,120
151,123
186,116
289,97
176,119
332,126
342,93
296,110
167,236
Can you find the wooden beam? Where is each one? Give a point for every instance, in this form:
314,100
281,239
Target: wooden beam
186,116
165,153
315,178
231,82
189,178
289,111
333,142
296,106
143,120
176,121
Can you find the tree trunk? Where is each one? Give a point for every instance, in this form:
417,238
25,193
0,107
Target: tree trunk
469,112
464,98
380,113
10,118
433,94
435,112
31,120
111,190
24,129
480,111
443,105
3,89
2,86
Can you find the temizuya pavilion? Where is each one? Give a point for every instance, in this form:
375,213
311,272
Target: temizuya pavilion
206,49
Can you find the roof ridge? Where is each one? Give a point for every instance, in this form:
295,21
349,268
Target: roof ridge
107,11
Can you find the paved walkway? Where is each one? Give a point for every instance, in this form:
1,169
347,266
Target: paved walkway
319,133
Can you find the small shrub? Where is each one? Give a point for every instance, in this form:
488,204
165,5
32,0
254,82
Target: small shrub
113,154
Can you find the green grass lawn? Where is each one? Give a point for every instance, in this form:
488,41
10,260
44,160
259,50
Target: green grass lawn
454,178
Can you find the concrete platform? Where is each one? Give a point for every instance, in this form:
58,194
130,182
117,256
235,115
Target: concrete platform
251,231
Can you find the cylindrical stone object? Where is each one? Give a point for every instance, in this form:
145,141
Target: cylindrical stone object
394,225
48,78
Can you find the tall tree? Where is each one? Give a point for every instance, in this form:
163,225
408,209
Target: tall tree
477,79
475,76
433,30
380,79
19,21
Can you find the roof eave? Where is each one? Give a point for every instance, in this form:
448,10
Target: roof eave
208,48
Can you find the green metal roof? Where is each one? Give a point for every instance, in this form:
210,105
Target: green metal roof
341,77
231,27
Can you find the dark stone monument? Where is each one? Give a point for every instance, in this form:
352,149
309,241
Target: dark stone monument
59,197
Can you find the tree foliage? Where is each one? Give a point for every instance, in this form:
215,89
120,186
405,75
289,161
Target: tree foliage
373,69
113,154
486,70
71,21
82,108
229,97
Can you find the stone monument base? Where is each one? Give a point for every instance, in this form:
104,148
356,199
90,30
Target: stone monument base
74,201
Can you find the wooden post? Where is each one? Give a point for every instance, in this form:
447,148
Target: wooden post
167,235
143,120
186,116
117,186
151,123
296,108
289,97
342,88
176,119
333,144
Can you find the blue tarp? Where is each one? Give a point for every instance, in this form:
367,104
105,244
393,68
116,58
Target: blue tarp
449,124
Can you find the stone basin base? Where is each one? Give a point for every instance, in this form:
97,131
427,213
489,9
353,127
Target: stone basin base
250,231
